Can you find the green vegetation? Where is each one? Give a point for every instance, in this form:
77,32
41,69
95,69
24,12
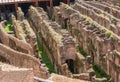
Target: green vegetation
45,58
82,51
100,73
8,27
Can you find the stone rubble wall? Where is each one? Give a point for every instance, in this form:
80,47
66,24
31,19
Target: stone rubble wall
20,54
61,40
111,5
23,60
18,28
14,43
46,32
111,10
23,31
99,16
95,39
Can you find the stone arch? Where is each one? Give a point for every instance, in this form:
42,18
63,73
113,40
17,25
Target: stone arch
70,63
4,60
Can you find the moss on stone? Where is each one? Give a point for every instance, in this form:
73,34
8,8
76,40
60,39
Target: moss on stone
82,51
100,73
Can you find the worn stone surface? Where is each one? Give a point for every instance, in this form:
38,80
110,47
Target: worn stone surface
10,73
14,43
99,80
18,53
23,60
24,32
95,27
63,45
93,34
60,78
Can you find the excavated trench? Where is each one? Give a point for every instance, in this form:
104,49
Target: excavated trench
99,73
97,69
46,60
9,29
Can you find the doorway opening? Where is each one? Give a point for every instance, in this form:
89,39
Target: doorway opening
70,64
4,60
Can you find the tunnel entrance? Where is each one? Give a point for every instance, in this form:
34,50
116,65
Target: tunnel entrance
65,24
70,64
4,60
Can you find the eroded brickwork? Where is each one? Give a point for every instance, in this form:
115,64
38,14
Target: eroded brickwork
19,53
24,32
61,44
93,34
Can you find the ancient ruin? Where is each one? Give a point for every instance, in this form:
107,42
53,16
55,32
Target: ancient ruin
59,41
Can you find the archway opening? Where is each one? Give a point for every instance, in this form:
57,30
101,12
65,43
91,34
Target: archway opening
4,60
65,24
70,64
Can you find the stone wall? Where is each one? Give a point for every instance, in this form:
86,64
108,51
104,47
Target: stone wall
95,39
10,73
22,60
14,43
20,54
107,8
24,32
99,16
59,42
51,34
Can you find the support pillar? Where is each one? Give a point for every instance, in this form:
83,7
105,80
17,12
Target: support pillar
36,3
47,3
68,2
51,4
16,7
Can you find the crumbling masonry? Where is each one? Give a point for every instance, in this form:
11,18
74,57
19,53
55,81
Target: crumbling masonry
91,26
96,31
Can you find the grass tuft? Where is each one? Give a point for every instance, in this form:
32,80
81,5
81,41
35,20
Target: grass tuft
8,27
45,58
